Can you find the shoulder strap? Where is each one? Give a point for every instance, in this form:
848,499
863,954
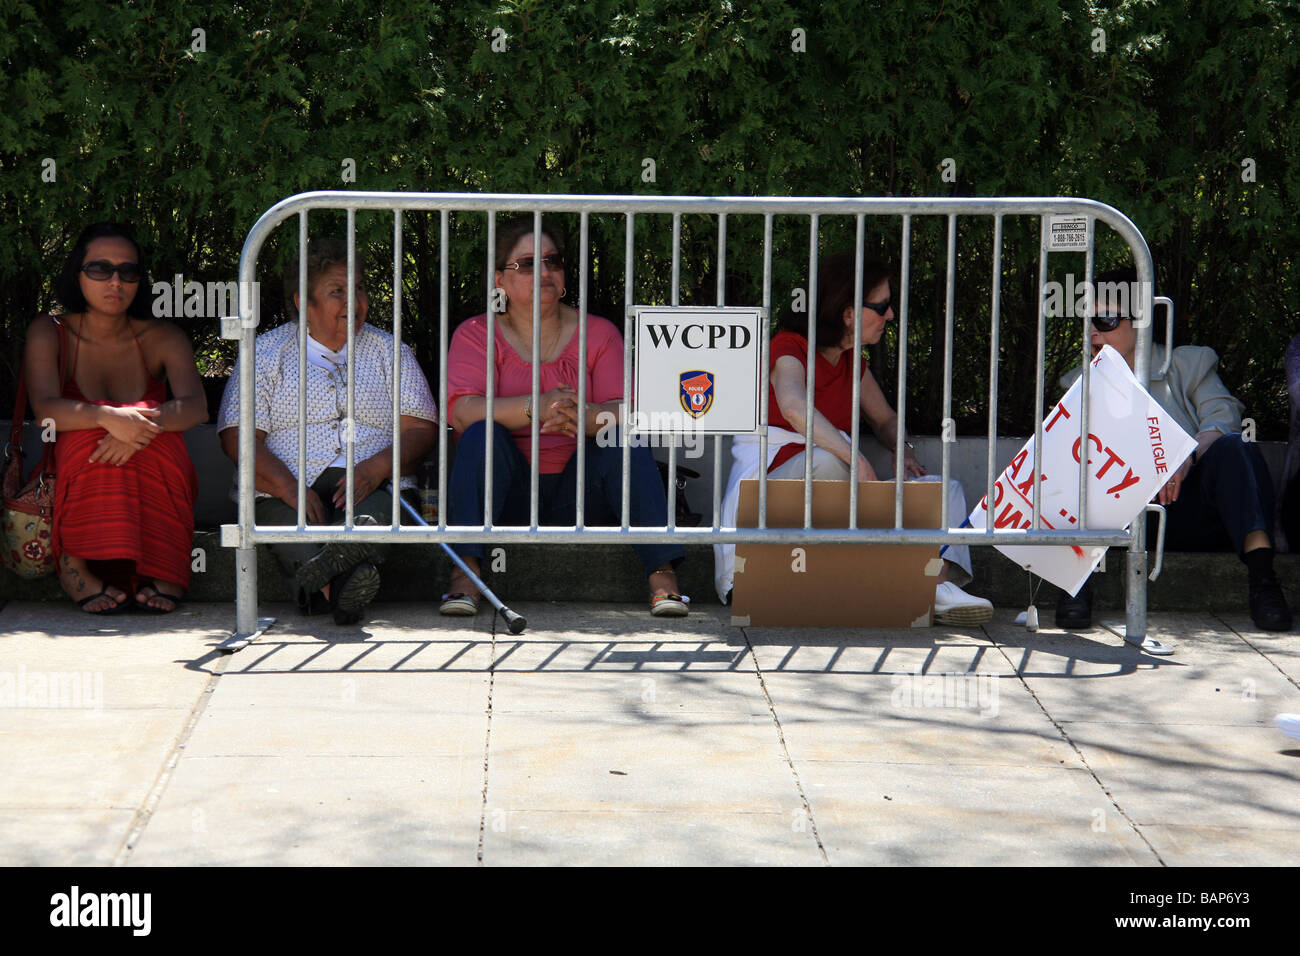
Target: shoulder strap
139,348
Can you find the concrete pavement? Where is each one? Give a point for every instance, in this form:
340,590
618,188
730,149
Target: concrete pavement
604,736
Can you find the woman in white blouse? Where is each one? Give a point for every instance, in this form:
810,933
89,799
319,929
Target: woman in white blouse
345,575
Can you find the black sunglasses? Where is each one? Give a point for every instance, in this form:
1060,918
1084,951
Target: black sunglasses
101,270
880,308
1108,321
554,262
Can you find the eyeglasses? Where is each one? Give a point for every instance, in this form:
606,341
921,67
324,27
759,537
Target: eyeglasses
554,262
1108,321
101,270
880,308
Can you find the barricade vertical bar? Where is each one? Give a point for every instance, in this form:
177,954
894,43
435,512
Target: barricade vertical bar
350,428
994,333
717,439
677,258
810,394
627,369
536,424
901,403
945,449
397,368
765,359
675,299
856,428
302,369
491,360
250,308
583,241
1038,372
1135,628
1085,393
444,319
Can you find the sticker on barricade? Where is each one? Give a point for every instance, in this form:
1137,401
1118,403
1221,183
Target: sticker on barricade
697,370
1135,446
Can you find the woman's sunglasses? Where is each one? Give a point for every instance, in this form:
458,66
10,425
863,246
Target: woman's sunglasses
554,262
880,308
101,270
1107,321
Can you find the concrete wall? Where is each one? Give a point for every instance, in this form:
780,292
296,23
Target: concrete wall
216,472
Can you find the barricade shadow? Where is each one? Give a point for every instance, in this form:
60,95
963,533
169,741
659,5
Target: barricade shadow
867,655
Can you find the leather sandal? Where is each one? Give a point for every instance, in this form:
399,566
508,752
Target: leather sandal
151,593
117,607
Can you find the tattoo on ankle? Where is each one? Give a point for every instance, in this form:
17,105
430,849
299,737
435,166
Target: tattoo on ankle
72,575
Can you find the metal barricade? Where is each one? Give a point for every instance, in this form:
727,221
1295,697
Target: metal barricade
245,535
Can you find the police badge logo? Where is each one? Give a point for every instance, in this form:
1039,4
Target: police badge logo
696,393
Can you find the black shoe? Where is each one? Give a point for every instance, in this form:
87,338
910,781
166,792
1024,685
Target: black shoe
351,591
334,559
1075,613
1268,607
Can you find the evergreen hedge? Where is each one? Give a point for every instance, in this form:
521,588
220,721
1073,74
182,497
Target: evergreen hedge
190,119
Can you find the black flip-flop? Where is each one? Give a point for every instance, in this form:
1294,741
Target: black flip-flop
149,609
117,608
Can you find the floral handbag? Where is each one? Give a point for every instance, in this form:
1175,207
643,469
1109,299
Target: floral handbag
28,509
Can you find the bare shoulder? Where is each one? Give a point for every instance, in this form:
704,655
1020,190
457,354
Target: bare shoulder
160,334
43,329
43,335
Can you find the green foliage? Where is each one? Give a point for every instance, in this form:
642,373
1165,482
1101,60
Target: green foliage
194,145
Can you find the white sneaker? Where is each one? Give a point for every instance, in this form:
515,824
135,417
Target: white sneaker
952,605
1289,724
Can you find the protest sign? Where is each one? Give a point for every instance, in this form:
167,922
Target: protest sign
1135,446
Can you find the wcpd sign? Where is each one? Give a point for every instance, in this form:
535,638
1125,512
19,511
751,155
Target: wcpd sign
698,369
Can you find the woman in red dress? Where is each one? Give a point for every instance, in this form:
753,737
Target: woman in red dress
101,373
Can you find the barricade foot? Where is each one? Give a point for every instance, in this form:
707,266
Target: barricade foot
238,641
1148,644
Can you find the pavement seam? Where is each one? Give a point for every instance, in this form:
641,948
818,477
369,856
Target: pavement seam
1079,753
1251,644
487,740
150,803
785,751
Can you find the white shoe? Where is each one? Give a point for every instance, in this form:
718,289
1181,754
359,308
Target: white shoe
1289,724
952,605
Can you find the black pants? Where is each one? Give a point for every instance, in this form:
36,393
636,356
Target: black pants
1291,512
1227,495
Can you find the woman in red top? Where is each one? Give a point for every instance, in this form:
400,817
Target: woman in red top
833,414
101,373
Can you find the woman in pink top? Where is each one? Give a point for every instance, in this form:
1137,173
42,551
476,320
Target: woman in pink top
558,417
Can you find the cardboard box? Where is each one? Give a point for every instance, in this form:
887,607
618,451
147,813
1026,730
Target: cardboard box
849,585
